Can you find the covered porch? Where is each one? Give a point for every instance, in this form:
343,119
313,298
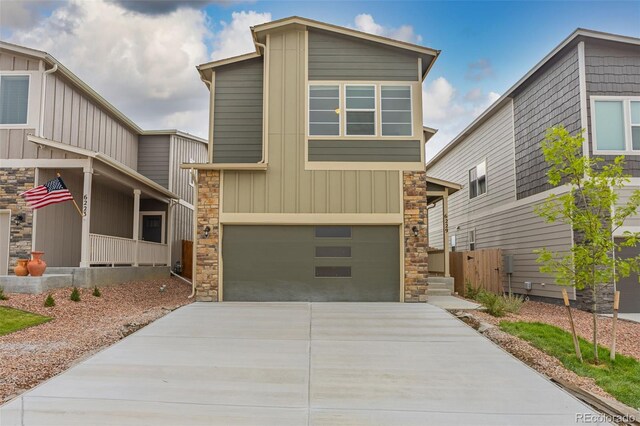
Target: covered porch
440,190
125,219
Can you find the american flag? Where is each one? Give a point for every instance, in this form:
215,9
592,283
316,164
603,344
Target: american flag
51,192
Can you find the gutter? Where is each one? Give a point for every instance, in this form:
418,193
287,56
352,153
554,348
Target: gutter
194,264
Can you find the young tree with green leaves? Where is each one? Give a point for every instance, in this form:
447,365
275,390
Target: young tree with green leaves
593,209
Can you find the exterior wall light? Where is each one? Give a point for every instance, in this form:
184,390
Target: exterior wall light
18,219
415,230
207,229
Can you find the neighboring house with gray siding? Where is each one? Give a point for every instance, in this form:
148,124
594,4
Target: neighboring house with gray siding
136,200
315,187
591,79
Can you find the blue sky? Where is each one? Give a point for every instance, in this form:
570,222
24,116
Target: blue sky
486,46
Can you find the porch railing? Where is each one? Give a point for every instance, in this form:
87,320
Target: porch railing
109,250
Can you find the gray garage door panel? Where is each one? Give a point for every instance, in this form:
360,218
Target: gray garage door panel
278,263
629,287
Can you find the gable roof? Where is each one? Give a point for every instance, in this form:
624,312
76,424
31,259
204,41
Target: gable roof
259,33
87,90
573,39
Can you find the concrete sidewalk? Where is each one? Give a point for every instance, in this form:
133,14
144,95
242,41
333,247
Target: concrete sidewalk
298,364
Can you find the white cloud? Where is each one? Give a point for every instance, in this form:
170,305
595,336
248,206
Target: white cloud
235,37
365,22
447,111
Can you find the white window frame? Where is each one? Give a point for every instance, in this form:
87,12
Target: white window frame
30,93
486,179
164,225
410,110
626,113
452,242
375,110
340,109
471,232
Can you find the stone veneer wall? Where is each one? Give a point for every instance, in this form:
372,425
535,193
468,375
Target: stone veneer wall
206,267
12,183
415,248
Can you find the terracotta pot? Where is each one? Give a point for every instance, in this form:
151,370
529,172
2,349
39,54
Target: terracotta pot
36,265
21,268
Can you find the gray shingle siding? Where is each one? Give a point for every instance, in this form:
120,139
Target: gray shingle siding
237,129
335,57
153,158
551,98
612,69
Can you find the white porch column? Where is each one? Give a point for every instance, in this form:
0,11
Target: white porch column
445,230
136,223
170,211
85,245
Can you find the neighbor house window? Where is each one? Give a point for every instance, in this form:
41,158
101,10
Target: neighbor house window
360,109
396,110
14,99
615,124
472,239
478,180
452,242
324,110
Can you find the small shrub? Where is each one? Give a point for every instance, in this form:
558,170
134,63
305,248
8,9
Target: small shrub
472,292
494,303
96,292
513,303
2,295
49,302
75,295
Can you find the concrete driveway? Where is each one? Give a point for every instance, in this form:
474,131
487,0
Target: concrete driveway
298,364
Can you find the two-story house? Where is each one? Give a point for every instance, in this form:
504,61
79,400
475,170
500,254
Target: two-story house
590,81
315,188
135,199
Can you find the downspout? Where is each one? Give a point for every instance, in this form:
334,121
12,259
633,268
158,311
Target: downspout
194,250
43,97
264,100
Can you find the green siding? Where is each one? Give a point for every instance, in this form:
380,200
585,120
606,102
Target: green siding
237,128
277,263
365,150
336,57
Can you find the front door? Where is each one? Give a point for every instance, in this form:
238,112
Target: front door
152,228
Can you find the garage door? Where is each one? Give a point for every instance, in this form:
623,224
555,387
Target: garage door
629,287
311,263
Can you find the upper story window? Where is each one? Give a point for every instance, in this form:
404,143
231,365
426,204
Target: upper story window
360,110
471,236
14,99
478,180
324,110
396,111
615,125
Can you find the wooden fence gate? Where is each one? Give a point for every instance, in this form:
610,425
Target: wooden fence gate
187,259
481,268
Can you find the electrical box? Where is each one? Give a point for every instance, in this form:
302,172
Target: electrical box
528,285
508,263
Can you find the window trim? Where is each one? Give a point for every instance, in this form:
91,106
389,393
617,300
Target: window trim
340,108
471,231
29,94
626,116
410,105
164,224
486,179
375,110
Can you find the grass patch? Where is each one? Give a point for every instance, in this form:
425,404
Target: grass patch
621,378
14,319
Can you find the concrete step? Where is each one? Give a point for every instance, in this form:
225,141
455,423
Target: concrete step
438,292
440,286
444,280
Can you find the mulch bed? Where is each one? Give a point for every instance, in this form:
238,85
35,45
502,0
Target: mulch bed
79,329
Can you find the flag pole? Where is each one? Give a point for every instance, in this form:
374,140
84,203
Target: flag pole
74,202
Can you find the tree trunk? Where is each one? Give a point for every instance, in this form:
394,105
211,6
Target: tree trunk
595,325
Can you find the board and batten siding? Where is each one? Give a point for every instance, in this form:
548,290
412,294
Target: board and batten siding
550,98
365,150
184,150
337,57
70,117
111,210
237,106
612,69
10,61
286,187
153,158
